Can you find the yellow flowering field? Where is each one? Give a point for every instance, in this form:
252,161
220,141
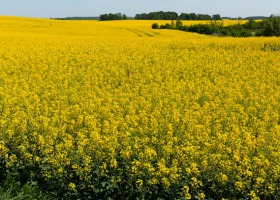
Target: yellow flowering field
116,110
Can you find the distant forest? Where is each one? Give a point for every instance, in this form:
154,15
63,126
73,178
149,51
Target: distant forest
173,16
160,15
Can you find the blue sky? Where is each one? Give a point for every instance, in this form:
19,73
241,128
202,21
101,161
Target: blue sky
70,8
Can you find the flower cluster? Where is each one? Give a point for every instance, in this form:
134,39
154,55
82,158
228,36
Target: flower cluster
118,110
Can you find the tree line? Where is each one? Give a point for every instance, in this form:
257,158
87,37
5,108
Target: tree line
77,18
111,16
267,27
173,16
160,15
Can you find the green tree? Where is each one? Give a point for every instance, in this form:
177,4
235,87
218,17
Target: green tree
124,16
272,26
193,16
216,17
178,23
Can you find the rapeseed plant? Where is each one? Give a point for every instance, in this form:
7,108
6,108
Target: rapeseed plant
117,110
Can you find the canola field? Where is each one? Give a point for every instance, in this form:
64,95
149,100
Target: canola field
116,110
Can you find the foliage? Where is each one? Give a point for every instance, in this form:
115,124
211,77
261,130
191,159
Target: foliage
212,28
13,190
157,15
216,17
118,110
193,16
174,16
110,16
268,27
155,26
272,26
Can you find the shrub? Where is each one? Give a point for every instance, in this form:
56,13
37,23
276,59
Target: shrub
155,26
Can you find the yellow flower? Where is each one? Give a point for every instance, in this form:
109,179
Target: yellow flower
72,186
254,196
139,183
186,193
239,185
